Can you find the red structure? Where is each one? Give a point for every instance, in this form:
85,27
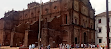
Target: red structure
63,21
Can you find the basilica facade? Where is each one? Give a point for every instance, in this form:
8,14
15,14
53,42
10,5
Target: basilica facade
62,21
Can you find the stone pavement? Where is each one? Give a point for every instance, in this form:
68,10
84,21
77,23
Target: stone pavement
8,47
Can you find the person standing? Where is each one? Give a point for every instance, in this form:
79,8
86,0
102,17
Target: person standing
100,47
103,46
42,46
63,46
67,46
60,46
91,46
97,45
49,46
30,46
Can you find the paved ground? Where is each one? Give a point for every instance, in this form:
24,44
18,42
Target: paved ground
8,47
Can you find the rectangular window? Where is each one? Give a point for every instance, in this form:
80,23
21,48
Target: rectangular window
76,40
109,40
100,40
99,20
109,29
109,19
75,21
99,29
66,18
91,26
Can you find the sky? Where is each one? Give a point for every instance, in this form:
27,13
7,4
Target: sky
19,5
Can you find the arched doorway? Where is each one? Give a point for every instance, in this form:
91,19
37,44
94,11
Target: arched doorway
33,33
19,34
33,38
18,39
58,40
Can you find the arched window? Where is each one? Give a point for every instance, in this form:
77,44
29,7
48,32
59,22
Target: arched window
66,18
55,7
99,20
25,15
85,37
76,21
32,15
38,11
46,10
84,23
91,25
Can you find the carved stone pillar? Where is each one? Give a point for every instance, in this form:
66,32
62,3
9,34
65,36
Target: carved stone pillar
26,38
12,35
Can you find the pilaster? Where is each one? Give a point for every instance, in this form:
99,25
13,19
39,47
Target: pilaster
26,38
12,35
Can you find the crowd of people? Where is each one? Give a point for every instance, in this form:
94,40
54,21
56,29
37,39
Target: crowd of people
68,46
101,46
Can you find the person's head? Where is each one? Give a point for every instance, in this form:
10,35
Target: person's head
101,46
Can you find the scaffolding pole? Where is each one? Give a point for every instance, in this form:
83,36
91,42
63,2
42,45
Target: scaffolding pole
39,24
107,19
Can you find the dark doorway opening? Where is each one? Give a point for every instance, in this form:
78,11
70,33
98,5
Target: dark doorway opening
75,40
84,38
32,38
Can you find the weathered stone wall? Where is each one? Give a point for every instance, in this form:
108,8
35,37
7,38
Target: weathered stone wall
1,30
61,22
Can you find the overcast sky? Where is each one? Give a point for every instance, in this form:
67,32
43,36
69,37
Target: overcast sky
8,5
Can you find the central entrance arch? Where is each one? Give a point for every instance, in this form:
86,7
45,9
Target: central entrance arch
33,33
